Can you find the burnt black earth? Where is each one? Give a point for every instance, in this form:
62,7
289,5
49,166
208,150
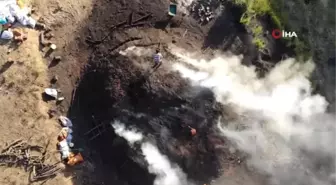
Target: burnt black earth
118,90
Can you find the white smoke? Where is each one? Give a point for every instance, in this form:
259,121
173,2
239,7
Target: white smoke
288,135
160,166
137,51
166,173
130,135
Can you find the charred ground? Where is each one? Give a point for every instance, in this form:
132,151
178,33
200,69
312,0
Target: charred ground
120,91
160,104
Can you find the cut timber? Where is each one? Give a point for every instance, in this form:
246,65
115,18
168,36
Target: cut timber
42,40
111,30
124,42
138,24
57,58
142,18
130,18
97,130
122,25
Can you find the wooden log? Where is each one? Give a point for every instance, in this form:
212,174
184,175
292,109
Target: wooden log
124,42
142,18
130,18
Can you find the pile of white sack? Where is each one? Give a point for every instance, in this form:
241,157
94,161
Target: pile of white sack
10,12
65,137
10,9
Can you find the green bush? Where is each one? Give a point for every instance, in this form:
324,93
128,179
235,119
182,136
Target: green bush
257,30
245,19
259,43
260,7
276,9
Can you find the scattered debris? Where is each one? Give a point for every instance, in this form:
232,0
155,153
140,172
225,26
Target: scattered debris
52,113
64,149
54,79
18,153
130,18
53,93
202,10
6,66
66,122
53,46
43,172
185,32
49,35
19,35
57,58
55,61
12,13
40,26
60,99
122,25
75,159
10,60
65,143
124,42
42,40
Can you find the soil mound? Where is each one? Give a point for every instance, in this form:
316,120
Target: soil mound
113,88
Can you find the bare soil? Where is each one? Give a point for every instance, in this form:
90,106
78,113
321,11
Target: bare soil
24,74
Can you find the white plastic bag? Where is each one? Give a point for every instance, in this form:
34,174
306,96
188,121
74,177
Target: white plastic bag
51,92
64,149
66,122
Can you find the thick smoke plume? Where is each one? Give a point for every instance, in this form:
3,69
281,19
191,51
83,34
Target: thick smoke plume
158,164
280,124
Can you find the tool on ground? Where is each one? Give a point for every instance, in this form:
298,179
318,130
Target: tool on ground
172,11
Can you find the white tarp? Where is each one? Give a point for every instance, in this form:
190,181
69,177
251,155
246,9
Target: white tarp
4,10
4,3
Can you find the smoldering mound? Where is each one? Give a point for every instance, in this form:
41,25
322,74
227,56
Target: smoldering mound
160,105
283,127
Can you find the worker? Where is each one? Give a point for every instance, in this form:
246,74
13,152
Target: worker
157,57
192,131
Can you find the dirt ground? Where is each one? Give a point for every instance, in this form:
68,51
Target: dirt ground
24,114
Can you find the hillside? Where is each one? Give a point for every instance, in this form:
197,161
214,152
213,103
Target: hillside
257,103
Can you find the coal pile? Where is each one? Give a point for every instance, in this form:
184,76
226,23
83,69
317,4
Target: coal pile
160,105
112,88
